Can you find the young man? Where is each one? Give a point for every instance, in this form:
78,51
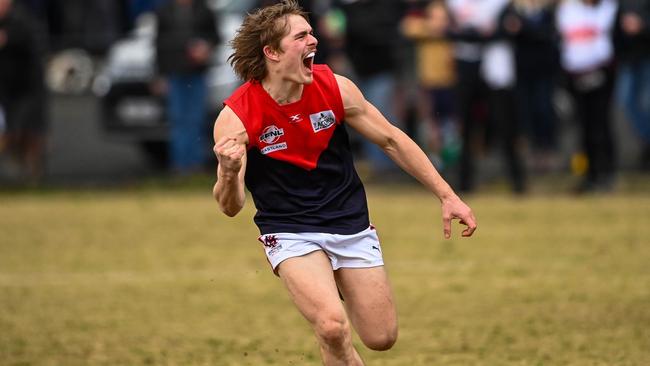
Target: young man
282,136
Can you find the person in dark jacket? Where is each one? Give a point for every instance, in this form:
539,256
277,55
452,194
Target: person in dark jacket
485,88
186,34
22,93
634,71
372,42
532,25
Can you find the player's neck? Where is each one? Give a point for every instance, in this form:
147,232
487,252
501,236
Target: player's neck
282,91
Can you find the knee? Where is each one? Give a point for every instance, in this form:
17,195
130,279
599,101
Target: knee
333,330
381,341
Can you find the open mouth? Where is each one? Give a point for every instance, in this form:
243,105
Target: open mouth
308,61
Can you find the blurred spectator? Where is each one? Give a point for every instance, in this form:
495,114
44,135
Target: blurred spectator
185,37
587,54
532,25
485,69
499,73
138,7
634,70
427,27
89,25
106,21
469,30
371,41
22,93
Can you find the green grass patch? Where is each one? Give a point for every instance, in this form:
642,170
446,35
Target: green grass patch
158,276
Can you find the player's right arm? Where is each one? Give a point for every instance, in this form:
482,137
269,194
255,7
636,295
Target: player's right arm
230,140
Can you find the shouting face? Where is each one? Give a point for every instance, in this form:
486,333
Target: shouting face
295,59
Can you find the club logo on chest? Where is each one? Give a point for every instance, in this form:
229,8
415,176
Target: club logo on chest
322,120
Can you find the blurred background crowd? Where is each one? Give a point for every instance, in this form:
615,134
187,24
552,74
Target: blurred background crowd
488,88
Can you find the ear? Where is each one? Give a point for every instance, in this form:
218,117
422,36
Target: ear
270,53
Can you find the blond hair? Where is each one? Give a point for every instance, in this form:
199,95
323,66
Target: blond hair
263,27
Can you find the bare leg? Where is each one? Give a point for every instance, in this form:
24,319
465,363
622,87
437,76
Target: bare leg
370,306
312,288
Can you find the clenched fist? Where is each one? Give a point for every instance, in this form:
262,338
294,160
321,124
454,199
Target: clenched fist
229,151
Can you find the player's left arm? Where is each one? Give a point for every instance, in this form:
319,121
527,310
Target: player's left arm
370,123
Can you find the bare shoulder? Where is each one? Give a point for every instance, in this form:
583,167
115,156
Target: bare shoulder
346,86
342,80
229,124
353,101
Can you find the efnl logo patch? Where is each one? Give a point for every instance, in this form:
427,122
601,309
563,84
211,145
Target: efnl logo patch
322,120
270,135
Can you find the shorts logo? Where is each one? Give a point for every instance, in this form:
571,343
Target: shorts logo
271,134
322,120
271,243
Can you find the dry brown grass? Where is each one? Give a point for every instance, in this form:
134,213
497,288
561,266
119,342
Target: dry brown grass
159,277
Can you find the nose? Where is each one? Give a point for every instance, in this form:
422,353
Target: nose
312,41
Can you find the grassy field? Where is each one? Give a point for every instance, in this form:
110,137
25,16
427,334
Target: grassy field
158,277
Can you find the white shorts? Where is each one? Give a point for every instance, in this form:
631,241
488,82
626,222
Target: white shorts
360,250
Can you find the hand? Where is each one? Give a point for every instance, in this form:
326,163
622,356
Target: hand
199,52
229,151
631,23
487,30
454,208
159,86
512,24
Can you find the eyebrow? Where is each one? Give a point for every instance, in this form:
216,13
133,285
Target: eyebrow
303,33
